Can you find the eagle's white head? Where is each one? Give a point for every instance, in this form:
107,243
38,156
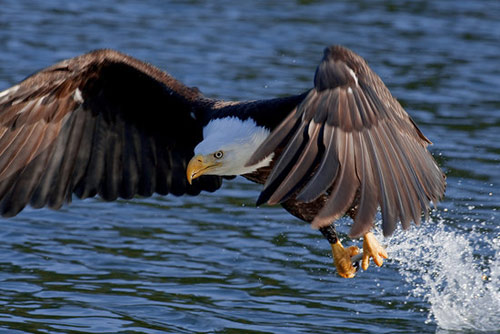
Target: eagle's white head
228,143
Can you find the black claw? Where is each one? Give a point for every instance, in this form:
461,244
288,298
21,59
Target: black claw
356,265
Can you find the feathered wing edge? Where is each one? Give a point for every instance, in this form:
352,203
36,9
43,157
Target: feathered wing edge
352,141
102,123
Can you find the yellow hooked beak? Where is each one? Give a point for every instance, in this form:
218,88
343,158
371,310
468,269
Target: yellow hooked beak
198,166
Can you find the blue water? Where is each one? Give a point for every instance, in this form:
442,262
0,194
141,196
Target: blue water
217,264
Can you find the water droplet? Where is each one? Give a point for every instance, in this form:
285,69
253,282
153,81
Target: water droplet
443,268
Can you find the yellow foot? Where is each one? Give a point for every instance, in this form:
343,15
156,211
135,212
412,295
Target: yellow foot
342,259
372,249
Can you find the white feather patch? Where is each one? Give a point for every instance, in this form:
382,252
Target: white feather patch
353,74
30,106
9,91
77,96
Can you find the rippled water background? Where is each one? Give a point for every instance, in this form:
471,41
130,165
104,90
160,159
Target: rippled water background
217,264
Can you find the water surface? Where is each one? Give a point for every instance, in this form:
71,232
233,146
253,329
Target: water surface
217,264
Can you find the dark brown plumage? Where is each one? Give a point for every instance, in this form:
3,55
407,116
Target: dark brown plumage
107,124
352,148
102,123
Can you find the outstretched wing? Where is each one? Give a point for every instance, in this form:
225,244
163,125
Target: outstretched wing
350,139
102,123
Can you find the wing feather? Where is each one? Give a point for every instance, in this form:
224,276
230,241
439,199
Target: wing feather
303,165
288,126
371,154
345,186
368,191
327,170
283,164
101,123
130,180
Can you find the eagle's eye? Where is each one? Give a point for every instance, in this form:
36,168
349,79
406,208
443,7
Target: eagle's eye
218,155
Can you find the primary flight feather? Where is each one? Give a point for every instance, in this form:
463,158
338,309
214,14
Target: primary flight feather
107,124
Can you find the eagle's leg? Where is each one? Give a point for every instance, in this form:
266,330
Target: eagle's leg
372,249
341,256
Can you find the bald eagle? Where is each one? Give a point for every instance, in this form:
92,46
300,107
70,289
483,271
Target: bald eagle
107,124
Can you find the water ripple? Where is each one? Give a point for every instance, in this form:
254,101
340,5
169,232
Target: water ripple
217,264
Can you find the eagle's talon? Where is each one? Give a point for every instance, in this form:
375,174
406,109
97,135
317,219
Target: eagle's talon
372,249
342,259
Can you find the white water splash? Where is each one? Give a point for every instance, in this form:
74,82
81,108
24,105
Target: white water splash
458,274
